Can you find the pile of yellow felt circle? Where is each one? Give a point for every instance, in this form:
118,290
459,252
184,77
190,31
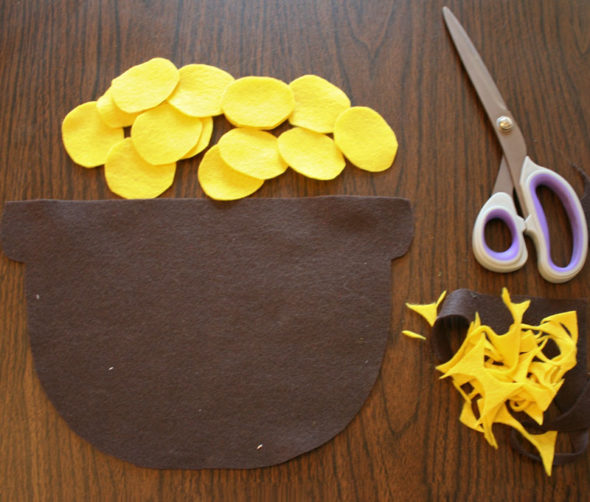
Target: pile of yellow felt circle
169,115
499,373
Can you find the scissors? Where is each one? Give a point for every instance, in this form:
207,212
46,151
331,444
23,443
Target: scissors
520,175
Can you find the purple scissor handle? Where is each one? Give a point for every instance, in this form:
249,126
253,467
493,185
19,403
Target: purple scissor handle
501,206
532,176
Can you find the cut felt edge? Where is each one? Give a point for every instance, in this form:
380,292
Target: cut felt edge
220,182
86,137
412,334
144,85
131,177
252,152
428,311
204,138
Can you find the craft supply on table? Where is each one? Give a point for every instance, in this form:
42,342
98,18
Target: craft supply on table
510,372
170,112
520,174
184,333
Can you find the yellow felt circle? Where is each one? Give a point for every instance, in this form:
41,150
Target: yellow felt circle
221,182
163,135
111,113
365,138
310,153
86,137
145,85
317,103
260,102
131,177
252,152
200,89
204,138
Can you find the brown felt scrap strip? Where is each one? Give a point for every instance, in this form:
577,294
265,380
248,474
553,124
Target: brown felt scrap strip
573,399
181,333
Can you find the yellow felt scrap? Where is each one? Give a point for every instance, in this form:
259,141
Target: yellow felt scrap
259,102
311,154
428,311
317,103
111,113
468,417
412,334
131,177
163,135
221,182
86,137
200,89
510,370
204,138
145,85
544,443
533,410
252,152
365,138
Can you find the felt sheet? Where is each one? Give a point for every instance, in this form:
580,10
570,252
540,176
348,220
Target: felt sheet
179,333
573,399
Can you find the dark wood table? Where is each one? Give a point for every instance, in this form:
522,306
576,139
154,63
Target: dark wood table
395,56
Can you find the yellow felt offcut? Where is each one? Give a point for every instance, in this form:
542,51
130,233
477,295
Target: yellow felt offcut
221,182
311,154
412,334
544,443
131,177
204,138
317,103
365,138
252,152
428,311
468,418
200,89
511,370
86,137
145,85
163,135
259,102
111,113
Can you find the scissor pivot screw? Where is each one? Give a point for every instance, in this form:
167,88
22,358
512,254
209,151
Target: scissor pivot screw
504,123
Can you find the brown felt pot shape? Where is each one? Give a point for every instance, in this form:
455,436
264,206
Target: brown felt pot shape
181,333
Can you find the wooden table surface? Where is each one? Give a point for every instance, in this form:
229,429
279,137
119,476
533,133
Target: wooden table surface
394,56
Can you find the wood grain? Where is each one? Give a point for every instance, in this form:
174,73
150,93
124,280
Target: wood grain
394,56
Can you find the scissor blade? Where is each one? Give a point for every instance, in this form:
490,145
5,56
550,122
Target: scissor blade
512,141
503,179
483,82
